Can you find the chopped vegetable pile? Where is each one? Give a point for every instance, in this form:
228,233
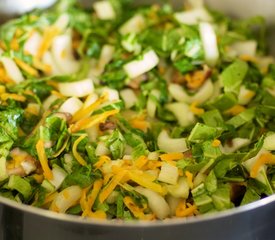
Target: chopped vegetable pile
124,112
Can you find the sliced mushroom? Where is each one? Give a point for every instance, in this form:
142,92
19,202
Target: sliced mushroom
108,125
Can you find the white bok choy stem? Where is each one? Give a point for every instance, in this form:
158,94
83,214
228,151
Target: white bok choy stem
203,94
180,190
71,105
193,16
269,142
147,62
12,69
104,10
156,202
33,43
170,145
134,25
80,88
3,169
66,199
182,112
63,55
209,42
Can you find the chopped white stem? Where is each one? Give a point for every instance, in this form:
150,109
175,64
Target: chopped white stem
3,169
77,89
203,94
62,22
129,97
209,42
182,112
156,202
49,101
151,103
12,70
168,174
269,142
244,48
167,144
138,67
66,199
134,25
49,60
101,149
235,144
58,176
193,16
180,190
245,95
32,45
104,10
112,94
71,105
63,55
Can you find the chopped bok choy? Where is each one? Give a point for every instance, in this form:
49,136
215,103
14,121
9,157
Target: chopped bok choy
126,112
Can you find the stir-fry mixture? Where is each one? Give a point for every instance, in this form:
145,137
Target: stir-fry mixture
125,112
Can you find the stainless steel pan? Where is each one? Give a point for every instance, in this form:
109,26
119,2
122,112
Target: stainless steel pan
253,221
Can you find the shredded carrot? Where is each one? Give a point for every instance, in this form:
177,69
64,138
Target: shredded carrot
14,43
153,164
161,70
266,158
61,149
183,211
194,109
111,186
216,143
43,159
92,197
38,178
196,79
66,194
27,68
140,124
4,78
248,58
140,162
189,179
56,93
250,94
50,197
3,45
134,209
83,199
16,97
99,214
91,121
77,156
42,66
146,181
264,70
171,156
2,89
237,109
107,177
102,159
86,112
48,37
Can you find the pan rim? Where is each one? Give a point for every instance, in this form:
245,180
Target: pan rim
66,218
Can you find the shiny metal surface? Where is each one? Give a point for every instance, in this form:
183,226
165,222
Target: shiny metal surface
253,221
11,8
